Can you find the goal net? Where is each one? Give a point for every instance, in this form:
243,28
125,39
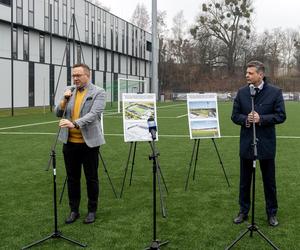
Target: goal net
130,86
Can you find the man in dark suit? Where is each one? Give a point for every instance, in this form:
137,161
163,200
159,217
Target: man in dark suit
82,136
269,110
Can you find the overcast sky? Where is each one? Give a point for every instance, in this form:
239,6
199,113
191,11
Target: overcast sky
269,14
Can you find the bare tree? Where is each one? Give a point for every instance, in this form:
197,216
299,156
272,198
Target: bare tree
140,17
179,26
226,20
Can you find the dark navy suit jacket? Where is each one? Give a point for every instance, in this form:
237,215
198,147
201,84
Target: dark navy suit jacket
269,104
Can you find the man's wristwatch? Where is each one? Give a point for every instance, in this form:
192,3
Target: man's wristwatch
75,125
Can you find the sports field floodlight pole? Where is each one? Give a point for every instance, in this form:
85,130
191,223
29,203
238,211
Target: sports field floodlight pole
253,227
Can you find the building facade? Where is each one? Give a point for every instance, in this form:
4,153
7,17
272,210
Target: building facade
49,36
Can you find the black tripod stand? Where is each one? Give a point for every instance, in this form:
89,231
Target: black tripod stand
194,158
253,227
56,233
156,244
134,146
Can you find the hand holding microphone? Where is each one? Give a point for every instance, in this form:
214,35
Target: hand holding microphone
68,93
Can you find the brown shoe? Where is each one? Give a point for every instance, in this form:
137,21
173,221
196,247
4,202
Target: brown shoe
273,221
90,218
72,217
240,218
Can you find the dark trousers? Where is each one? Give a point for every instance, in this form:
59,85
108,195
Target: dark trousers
267,168
75,156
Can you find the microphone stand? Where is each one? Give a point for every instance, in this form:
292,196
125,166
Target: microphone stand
154,157
56,233
253,227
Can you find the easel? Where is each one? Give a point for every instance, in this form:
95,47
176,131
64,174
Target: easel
132,155
194,158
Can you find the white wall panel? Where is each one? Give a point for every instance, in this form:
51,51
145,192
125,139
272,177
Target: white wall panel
5,83
41,84
21,84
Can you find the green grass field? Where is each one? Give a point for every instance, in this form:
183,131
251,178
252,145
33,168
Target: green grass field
200,218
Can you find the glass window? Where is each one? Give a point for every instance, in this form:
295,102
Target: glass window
15,43
86,21
31,13
97,59
20,11
42,48
6,2
78,53
56,17
26,46
64,18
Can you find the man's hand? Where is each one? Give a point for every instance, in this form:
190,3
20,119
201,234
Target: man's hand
67,94
253,117
65,123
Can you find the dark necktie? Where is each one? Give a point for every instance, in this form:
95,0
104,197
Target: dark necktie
256,90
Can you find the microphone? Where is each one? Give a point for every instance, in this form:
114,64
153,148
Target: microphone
252,90
71,89
152,127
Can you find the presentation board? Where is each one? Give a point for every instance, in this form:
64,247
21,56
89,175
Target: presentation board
137,109
203,115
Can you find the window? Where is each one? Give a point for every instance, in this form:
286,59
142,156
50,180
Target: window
78,53
105,60
20,11
86,21
99,27
72,13
132,41
93,22
104,29
42,48
15,43
123,38
68,61
112,32
117,33
64,18
56,17
149,46
46,10
31,13
6,2
97,59
26,45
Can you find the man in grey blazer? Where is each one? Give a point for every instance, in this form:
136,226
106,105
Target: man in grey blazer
82,136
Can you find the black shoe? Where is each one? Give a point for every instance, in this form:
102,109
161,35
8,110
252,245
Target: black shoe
273,221
72,217
240,218
90,218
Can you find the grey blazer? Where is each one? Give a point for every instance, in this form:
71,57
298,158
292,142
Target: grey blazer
92,106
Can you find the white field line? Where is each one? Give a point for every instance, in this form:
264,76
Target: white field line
180,116
28,125
173,105
174,136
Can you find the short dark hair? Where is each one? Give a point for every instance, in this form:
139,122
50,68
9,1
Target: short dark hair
260,67
82,65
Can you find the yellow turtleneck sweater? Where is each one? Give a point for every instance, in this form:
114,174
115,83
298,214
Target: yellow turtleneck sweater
75,135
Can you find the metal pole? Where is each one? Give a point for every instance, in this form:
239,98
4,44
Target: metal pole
12,55
51,76
73,20
154,87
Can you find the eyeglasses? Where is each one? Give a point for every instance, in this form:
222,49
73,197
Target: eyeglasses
78,76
